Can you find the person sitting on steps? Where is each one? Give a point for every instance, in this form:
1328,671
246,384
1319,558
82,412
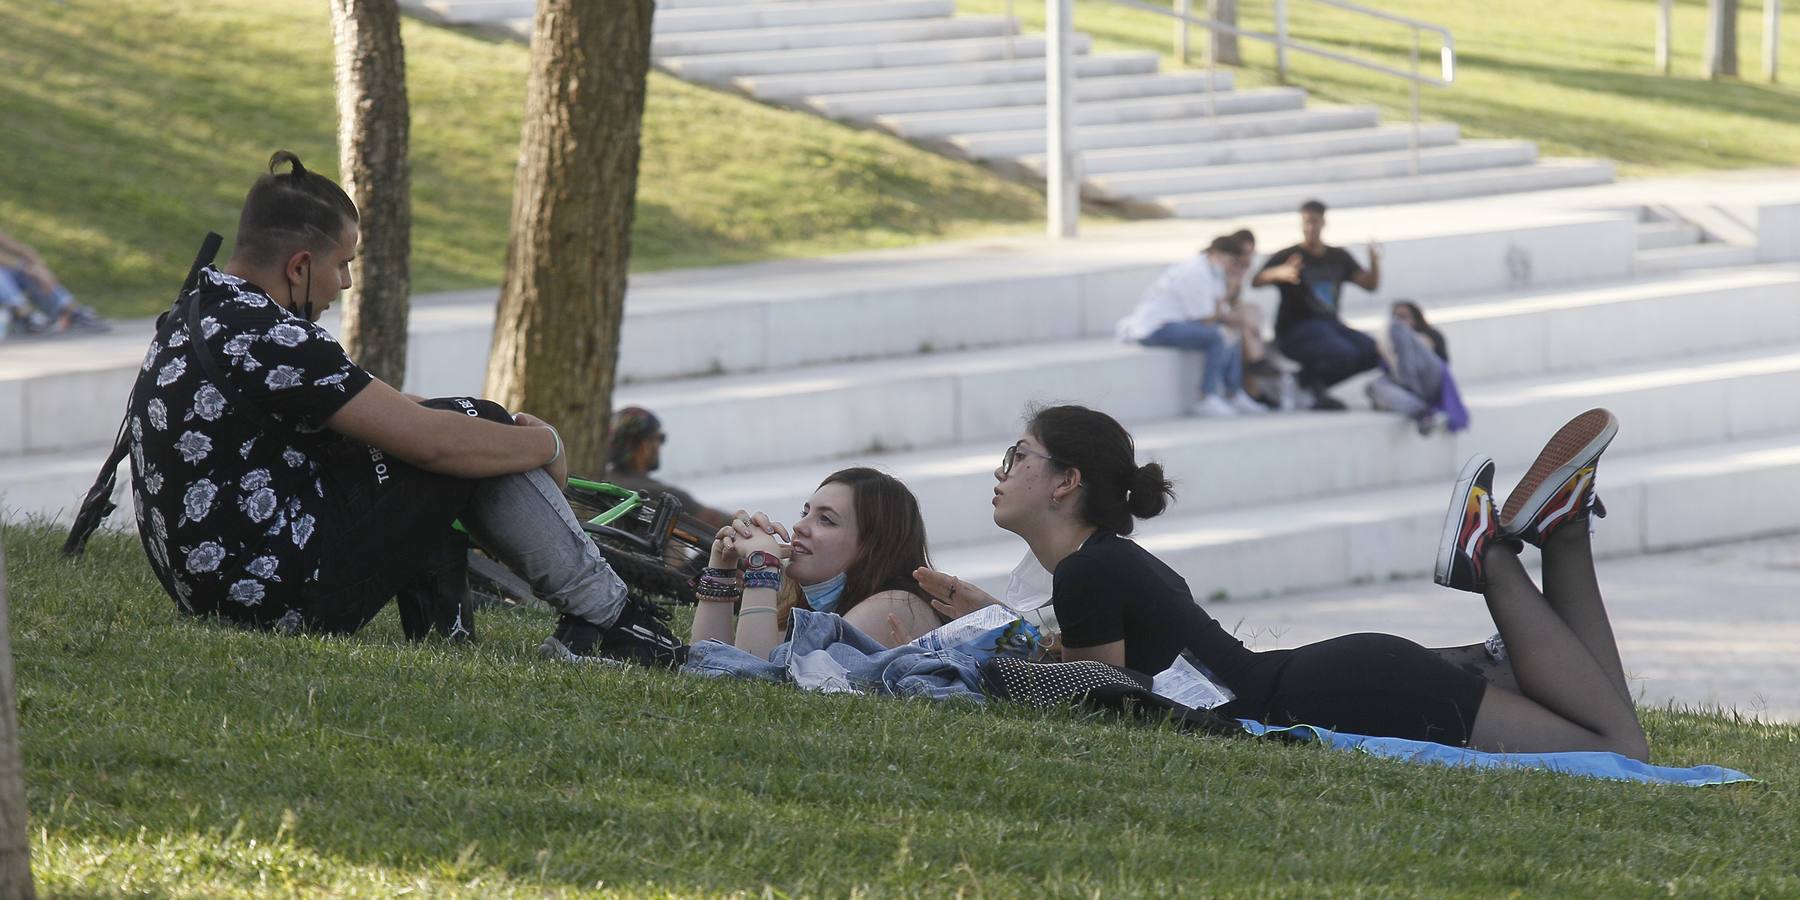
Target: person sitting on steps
1071,487
634,450
1186,308
1308,326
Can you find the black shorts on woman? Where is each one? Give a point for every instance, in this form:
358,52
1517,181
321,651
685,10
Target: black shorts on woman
1374,684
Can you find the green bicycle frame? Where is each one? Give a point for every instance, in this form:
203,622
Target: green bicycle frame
628,501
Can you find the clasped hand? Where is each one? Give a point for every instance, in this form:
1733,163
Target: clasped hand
746,534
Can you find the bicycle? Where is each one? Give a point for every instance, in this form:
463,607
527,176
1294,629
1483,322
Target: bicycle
655,549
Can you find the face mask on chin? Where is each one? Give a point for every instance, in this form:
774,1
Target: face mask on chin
822,597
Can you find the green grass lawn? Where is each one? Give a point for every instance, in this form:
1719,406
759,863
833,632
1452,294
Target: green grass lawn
177,759
1576,77
133,126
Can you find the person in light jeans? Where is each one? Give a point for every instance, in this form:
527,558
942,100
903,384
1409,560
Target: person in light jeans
25,282
1186,308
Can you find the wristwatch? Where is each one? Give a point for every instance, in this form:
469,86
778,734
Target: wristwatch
762,559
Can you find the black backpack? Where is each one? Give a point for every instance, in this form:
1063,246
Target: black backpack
1094,685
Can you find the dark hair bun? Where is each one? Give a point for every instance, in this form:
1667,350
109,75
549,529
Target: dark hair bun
288,157
1149,492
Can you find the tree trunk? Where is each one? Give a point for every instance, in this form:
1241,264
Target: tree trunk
373,133
1225,44
556,335
15,847
1721,58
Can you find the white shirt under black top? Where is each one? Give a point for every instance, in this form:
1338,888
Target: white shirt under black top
1184,292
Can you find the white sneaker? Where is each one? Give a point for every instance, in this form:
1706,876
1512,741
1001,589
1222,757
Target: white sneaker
1213,406
1243,403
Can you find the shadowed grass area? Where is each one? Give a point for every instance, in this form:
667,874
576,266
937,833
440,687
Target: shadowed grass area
177,758
1577,78
133,126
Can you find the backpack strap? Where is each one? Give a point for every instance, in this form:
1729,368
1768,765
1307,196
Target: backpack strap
99,504
210,365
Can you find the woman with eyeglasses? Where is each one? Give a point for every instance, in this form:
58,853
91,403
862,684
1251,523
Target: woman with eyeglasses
1071,487
852,552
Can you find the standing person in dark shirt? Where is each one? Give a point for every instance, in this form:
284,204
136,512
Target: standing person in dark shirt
1308,325
278,484
1071,487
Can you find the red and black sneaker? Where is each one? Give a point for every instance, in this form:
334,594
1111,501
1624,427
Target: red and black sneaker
1468,527
1559,486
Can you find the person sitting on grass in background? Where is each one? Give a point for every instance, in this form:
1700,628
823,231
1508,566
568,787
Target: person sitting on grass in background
634,450
26,281
852,552
1186,308
1071,487
279,485
1415,380
1308,326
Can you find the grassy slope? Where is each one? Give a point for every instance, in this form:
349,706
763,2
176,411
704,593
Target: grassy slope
135,125
1575,77
174,758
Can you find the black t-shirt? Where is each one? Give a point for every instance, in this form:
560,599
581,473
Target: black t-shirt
1321,284
1112,589
229,515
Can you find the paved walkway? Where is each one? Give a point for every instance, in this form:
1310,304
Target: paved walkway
1716,628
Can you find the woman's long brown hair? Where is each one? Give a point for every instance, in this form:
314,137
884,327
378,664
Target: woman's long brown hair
890,541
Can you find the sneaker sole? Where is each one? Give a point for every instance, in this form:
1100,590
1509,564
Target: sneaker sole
1459,501
1579,442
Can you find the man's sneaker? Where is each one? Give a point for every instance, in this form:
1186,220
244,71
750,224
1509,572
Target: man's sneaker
1246,404
1468,527
639,635
1559,486
1213,406
1324,402
81,318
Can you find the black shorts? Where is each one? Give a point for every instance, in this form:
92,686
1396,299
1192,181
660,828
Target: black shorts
1373,684
389,528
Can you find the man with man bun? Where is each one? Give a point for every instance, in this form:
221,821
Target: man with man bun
279,485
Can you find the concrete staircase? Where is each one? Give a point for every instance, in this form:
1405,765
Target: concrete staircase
921,362
1156,143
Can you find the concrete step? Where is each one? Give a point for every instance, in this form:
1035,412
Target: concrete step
764,40
1693,256
723,67
1027,70
706,4
1137,112
1254,461
1028,141
1091,89
1306,145
1350,167
1656,501
944,399
476,12
790,13
1547,175
1660,235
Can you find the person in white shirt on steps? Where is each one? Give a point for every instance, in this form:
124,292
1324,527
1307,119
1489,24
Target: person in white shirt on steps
1186,309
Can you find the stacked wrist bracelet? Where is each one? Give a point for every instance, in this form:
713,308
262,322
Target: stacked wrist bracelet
717,585
762,578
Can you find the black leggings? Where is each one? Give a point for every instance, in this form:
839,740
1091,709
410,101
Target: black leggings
1373,684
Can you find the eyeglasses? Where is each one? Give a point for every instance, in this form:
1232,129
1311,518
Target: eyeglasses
1012,454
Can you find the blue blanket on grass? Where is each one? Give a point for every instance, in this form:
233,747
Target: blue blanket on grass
1590,764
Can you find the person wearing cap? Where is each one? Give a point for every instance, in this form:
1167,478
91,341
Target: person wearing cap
634,450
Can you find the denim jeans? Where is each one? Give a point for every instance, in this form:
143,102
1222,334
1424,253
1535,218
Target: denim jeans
903,671
16,288
1222,368
1328,351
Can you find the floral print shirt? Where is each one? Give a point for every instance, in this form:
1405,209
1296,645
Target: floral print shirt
229,515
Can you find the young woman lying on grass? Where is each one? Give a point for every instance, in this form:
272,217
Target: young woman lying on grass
852,552
1071,488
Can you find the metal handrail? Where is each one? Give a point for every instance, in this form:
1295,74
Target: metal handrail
1061,161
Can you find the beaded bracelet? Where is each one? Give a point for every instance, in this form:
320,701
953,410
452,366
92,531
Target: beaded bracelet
762,578
722,574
